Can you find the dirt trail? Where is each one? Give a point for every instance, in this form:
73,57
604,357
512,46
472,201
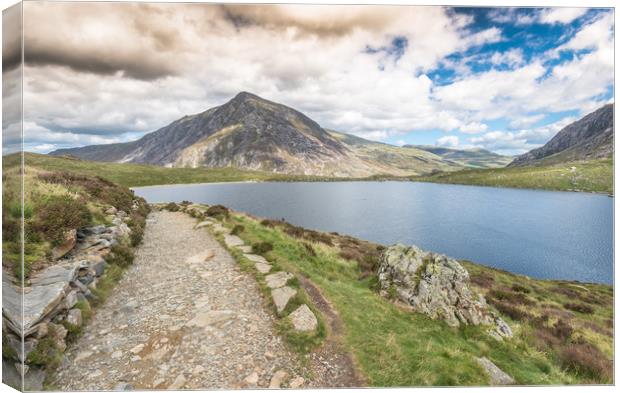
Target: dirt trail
184,316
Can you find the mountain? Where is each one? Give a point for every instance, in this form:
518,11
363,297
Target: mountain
591,137
252,133
395,159
470,158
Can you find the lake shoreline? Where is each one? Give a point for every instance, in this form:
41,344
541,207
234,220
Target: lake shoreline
502,228
357,180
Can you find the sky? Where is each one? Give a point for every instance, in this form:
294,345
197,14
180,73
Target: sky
503,79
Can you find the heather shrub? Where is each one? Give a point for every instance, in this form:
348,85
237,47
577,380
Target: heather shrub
58,214
262,247
218,211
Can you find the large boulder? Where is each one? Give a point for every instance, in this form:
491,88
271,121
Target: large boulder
435,285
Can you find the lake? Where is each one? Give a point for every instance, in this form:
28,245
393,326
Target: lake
543,234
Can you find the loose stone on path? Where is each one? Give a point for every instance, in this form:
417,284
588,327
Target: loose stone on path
281,297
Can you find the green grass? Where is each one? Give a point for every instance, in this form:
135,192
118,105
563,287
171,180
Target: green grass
138,175
589,176
397,347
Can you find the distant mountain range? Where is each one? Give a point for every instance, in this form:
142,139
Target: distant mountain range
249,132
589,138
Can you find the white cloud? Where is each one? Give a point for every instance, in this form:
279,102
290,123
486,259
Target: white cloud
400,142
563,15
517,142
448,141
512,57
182,59
473,128
525,121
512,15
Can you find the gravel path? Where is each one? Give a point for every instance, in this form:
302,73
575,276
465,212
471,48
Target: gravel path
183,317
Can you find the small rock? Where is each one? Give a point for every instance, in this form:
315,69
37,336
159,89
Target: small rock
303,319
297,382
198,369
209,318
256,258
66,246
202,257
496,375
137,349
71,300
21,368
277,379
269,355
74,317
233,241
135,358
203,224
82,355
281,296
129,306
116,354
178,383
42,330
263,268
251,379
98,267
123,386
278,280
111,210
95,374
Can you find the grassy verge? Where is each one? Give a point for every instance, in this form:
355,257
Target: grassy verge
589,176
397,347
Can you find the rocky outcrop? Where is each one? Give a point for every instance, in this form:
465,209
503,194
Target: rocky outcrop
437,286
52,294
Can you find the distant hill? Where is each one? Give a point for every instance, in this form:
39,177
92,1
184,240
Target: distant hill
591,137
471,158
251,133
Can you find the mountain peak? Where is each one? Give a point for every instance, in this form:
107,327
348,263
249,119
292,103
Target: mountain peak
244,96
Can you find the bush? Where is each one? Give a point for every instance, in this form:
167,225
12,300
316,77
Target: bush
96,187
262,247
520,289
309,249
120,255
136,224
586,359
510,310
237,229
511,297
562,330
58,214
579,307
218,211
172,207
482,279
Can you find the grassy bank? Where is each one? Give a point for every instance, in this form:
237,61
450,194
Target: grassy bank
138,175
56,200
590,176
563,331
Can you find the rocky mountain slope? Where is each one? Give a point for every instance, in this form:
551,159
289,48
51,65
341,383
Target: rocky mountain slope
471,158
588,138
249,132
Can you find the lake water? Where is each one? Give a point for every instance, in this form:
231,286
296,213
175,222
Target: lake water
543,234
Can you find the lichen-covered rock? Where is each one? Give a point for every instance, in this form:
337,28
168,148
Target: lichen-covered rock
435,285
